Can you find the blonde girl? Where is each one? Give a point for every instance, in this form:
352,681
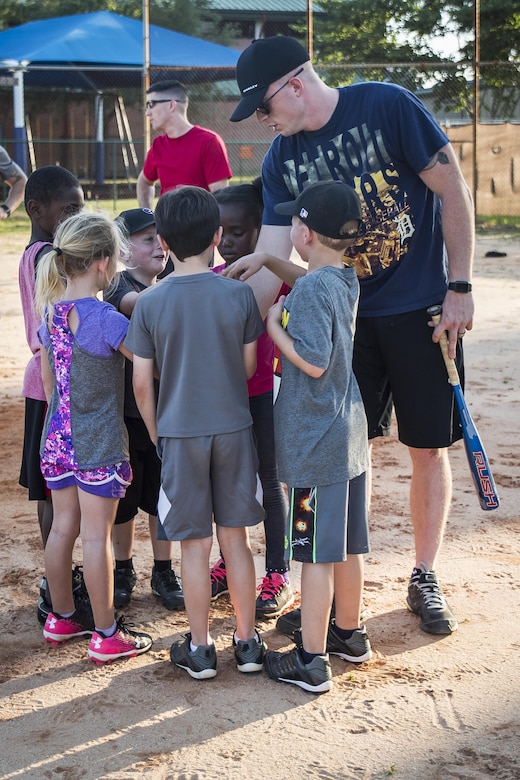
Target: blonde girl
84,447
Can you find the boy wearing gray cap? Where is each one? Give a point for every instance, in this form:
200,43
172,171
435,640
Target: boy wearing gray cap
320,429
145,262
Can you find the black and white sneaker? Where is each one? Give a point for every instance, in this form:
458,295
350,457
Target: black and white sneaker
250,655
79,592
291,621
315,677
201,664
356,649
426,600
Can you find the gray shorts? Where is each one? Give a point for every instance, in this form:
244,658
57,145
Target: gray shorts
205,478
326,523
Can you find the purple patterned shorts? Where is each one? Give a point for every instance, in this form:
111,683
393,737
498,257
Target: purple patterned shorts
107,481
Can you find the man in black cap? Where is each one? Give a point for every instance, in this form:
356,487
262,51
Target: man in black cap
415,250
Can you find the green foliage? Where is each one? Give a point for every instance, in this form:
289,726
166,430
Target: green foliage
16,12
191,17
499,26
359,31
398,31
389,32
350,31
384,32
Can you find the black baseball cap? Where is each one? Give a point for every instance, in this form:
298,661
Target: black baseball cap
134,220
265,60
325,206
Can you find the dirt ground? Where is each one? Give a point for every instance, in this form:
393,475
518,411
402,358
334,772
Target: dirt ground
435,708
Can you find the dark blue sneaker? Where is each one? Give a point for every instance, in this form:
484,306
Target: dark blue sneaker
125,581
167,586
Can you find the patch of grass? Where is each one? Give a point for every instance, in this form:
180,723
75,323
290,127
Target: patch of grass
19,223
500,225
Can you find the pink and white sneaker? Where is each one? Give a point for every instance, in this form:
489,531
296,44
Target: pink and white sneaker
58,629
123,644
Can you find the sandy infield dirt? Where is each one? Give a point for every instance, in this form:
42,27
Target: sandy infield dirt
424,706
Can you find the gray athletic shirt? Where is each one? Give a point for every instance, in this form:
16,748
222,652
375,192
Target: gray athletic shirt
8,168
320,424
195,327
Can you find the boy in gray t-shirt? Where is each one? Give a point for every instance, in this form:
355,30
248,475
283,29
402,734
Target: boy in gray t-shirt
320,427
200,331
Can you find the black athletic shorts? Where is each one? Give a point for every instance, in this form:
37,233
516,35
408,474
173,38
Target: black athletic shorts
143,491
30,471
397,365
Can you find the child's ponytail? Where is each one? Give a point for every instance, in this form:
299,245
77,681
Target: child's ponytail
79,241
50,284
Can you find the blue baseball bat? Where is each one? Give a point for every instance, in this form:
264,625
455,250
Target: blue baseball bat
475,452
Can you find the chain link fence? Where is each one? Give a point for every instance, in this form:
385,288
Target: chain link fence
100,135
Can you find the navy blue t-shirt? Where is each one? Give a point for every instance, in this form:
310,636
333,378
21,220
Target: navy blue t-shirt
378,139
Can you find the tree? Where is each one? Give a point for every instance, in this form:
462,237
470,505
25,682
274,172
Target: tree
191,17
499,60
396,31
368,31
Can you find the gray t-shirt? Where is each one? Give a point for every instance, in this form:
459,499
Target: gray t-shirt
8,168
195,327
320,424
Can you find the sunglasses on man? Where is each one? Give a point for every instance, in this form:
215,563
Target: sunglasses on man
263,108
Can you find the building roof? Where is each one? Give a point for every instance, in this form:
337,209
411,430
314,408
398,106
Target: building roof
253,9
60,51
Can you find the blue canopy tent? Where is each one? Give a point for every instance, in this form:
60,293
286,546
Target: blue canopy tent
98,51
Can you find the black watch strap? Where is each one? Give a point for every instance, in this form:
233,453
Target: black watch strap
6,208
460,287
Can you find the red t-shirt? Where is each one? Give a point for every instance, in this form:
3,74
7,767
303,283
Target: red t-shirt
198,158
262,380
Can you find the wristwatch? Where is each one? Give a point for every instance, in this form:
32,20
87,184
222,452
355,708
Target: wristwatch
6,208
460,287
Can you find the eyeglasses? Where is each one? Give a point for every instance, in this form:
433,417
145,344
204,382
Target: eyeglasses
152,103
263,108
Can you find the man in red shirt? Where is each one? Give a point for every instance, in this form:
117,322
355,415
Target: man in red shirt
184,154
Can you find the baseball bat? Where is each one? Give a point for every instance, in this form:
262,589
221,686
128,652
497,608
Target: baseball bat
475,452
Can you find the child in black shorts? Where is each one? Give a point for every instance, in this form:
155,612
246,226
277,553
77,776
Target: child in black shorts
143,265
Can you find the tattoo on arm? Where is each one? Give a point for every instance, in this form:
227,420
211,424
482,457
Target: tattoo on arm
440,157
